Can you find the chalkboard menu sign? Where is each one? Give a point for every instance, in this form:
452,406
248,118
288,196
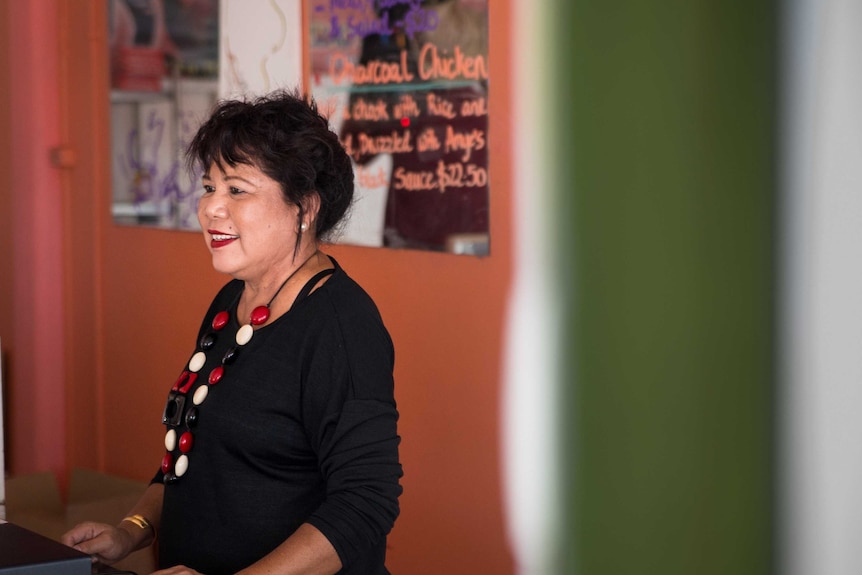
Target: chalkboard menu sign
405,83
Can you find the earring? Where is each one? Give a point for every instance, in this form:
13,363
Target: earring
304,226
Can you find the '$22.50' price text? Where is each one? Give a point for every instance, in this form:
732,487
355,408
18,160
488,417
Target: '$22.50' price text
454,175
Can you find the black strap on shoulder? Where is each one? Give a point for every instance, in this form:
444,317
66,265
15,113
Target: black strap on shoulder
309,285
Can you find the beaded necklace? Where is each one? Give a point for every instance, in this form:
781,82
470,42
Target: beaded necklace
175,412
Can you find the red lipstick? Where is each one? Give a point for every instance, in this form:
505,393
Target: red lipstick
220,239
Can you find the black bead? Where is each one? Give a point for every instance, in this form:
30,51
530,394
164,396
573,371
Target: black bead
192,417
230,355
207,341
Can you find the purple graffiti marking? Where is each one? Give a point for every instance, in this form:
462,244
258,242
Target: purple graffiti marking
152,184
366,27
417,19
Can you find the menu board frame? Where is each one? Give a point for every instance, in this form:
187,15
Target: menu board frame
405,84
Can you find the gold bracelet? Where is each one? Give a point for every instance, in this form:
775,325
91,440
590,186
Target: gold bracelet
140,521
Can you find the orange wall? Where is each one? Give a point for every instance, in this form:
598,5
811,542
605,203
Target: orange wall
32,327
132,300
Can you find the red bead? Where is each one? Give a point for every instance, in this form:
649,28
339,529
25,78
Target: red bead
259,315
167,461
220,320
216,375
180,380
186,441
184,384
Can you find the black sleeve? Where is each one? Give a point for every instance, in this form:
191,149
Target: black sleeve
351,419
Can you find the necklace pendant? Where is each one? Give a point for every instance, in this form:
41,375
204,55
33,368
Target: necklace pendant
259,315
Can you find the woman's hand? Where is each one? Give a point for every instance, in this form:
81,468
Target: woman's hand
104,543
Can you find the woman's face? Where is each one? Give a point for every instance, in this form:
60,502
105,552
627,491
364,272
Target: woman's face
249,228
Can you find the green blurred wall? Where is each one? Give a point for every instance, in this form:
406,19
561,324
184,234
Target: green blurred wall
668,201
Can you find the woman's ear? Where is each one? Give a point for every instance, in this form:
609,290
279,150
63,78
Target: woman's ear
310,208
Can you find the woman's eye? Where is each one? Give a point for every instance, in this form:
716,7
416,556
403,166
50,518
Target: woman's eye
209,189
235,191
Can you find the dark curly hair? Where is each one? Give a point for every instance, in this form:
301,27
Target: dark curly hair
285,136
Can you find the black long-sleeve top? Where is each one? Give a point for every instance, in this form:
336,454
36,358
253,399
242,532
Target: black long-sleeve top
300,429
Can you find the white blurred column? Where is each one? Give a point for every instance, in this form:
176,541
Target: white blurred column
529,410
820,361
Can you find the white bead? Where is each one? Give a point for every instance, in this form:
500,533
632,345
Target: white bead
200,394
243,336
197,361
181,466
170,439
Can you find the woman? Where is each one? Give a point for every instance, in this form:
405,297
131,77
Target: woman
281,440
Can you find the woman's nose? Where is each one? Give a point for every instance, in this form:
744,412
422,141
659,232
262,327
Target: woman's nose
212,205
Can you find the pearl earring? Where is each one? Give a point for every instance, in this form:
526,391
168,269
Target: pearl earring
304,226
